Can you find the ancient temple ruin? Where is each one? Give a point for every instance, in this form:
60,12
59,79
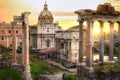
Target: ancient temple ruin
104,12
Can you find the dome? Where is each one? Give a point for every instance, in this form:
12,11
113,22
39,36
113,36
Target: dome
45,15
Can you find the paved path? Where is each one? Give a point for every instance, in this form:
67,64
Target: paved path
60,65
57,76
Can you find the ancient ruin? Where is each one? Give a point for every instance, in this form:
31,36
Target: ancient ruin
104,12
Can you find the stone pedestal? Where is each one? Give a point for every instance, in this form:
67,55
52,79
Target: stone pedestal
85,73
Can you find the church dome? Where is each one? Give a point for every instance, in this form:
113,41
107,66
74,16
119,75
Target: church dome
45,15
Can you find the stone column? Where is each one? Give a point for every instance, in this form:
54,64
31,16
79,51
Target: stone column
23,46
89,55
111,41
7,41
81,41
119,41
85,36
101,54
64,50
14,61
26,44
68,50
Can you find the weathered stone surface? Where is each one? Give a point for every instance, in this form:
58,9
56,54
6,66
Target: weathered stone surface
85,73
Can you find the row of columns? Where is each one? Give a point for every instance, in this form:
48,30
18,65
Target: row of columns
89,42
25,43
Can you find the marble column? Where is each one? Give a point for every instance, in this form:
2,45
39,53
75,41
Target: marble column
119,41
101,53
89,55
14,60
26,44
81,41
111,41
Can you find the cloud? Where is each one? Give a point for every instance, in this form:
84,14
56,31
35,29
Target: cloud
63,13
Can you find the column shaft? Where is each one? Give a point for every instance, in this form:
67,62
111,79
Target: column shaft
119,41
81,41
101,54
111,42
23,47
89,54
14,61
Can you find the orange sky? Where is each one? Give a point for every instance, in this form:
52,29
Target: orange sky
63,13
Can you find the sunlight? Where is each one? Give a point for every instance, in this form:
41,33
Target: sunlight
96,28
106,27
116,27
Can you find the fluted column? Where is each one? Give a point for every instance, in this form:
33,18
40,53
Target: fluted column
119,41
14,61
81,41
111,41
101,54
89,55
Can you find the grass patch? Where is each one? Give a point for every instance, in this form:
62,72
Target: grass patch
41,67
9,74
107,67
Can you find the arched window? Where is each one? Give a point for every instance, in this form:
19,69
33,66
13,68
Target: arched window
47,29
47,43
62,45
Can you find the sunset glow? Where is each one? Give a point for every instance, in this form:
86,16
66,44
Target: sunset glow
63,14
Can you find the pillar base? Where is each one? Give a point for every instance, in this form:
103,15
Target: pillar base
27,73
86,73
17,67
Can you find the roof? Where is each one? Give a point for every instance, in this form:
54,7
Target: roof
8,25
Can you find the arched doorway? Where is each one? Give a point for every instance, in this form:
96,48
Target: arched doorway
47,43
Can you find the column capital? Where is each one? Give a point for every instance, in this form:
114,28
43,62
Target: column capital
89,20
111,22
118,22
81,21
101,21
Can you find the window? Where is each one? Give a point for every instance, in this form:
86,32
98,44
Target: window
10,45
17,32
9,31
75,54
2,38
47,29
62,45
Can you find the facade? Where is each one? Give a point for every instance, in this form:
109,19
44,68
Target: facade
6,35
42,35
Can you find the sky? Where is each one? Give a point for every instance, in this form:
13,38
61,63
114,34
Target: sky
62,10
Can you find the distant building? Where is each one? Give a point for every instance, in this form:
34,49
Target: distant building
42,35
6,34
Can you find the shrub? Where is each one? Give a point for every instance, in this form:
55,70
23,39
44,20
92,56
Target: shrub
70,77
